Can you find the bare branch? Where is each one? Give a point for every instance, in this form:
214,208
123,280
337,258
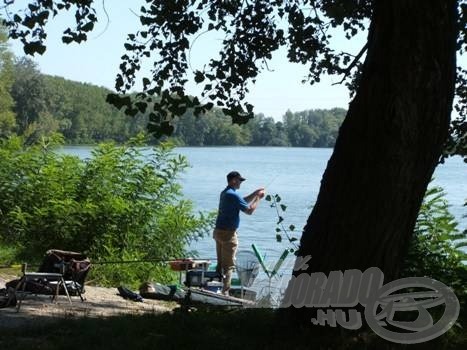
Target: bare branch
107,23
354,62
133,12
267,66
191,47
319,25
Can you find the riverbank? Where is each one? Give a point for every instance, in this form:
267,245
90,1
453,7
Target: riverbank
99,302
106,321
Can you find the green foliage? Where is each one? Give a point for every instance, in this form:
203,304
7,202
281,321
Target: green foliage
281,228
36,105
7,116
435,250
83,114
311,128
7,255
46,104
29,95
124,203
316,128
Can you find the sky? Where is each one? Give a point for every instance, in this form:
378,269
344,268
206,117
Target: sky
96,61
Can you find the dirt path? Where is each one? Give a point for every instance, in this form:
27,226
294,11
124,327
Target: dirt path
100,302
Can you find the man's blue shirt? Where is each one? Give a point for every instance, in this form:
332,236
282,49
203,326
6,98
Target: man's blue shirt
230,204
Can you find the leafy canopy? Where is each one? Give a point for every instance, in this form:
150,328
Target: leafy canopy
252,31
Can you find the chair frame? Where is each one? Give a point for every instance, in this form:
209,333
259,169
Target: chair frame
20,292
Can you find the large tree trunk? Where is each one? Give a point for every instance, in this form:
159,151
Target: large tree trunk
389,143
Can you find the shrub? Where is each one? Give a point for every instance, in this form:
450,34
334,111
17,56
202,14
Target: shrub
124,203
435,250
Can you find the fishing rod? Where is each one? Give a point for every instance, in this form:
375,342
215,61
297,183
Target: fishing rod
187,260
270,182
15,266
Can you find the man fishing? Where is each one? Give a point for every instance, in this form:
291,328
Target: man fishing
228,220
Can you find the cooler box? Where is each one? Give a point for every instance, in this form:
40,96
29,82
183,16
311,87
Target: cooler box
199,278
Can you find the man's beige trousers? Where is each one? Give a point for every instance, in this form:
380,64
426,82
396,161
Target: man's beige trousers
226,247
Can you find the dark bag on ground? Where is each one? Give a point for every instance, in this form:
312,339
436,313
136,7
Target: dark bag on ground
161,292
125,293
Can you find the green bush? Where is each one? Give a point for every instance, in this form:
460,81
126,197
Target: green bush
435,250
122,204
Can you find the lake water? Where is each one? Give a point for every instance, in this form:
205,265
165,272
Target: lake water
293,173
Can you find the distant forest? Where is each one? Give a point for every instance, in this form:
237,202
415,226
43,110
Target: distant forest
43,104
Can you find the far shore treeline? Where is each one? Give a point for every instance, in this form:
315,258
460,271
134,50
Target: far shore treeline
44,104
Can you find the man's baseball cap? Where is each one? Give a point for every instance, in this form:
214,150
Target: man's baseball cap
233,175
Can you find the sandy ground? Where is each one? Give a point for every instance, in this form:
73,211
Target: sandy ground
100,302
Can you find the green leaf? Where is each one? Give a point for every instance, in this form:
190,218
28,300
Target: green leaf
291,227
268,198
87,27
460,244
34,47
278,238
283,207
199,77
67,39
118,101
146,83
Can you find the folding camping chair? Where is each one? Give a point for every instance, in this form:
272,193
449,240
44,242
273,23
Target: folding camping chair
41,281
74,267
60,271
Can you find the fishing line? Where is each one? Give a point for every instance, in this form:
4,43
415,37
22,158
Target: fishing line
270,182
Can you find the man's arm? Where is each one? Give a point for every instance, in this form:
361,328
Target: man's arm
252,195
254,201
253,204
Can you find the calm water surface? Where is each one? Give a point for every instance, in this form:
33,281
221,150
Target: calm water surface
294,174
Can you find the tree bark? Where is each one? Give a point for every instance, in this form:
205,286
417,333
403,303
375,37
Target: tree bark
389,143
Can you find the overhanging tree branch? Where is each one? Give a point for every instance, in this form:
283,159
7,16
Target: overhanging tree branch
347,70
